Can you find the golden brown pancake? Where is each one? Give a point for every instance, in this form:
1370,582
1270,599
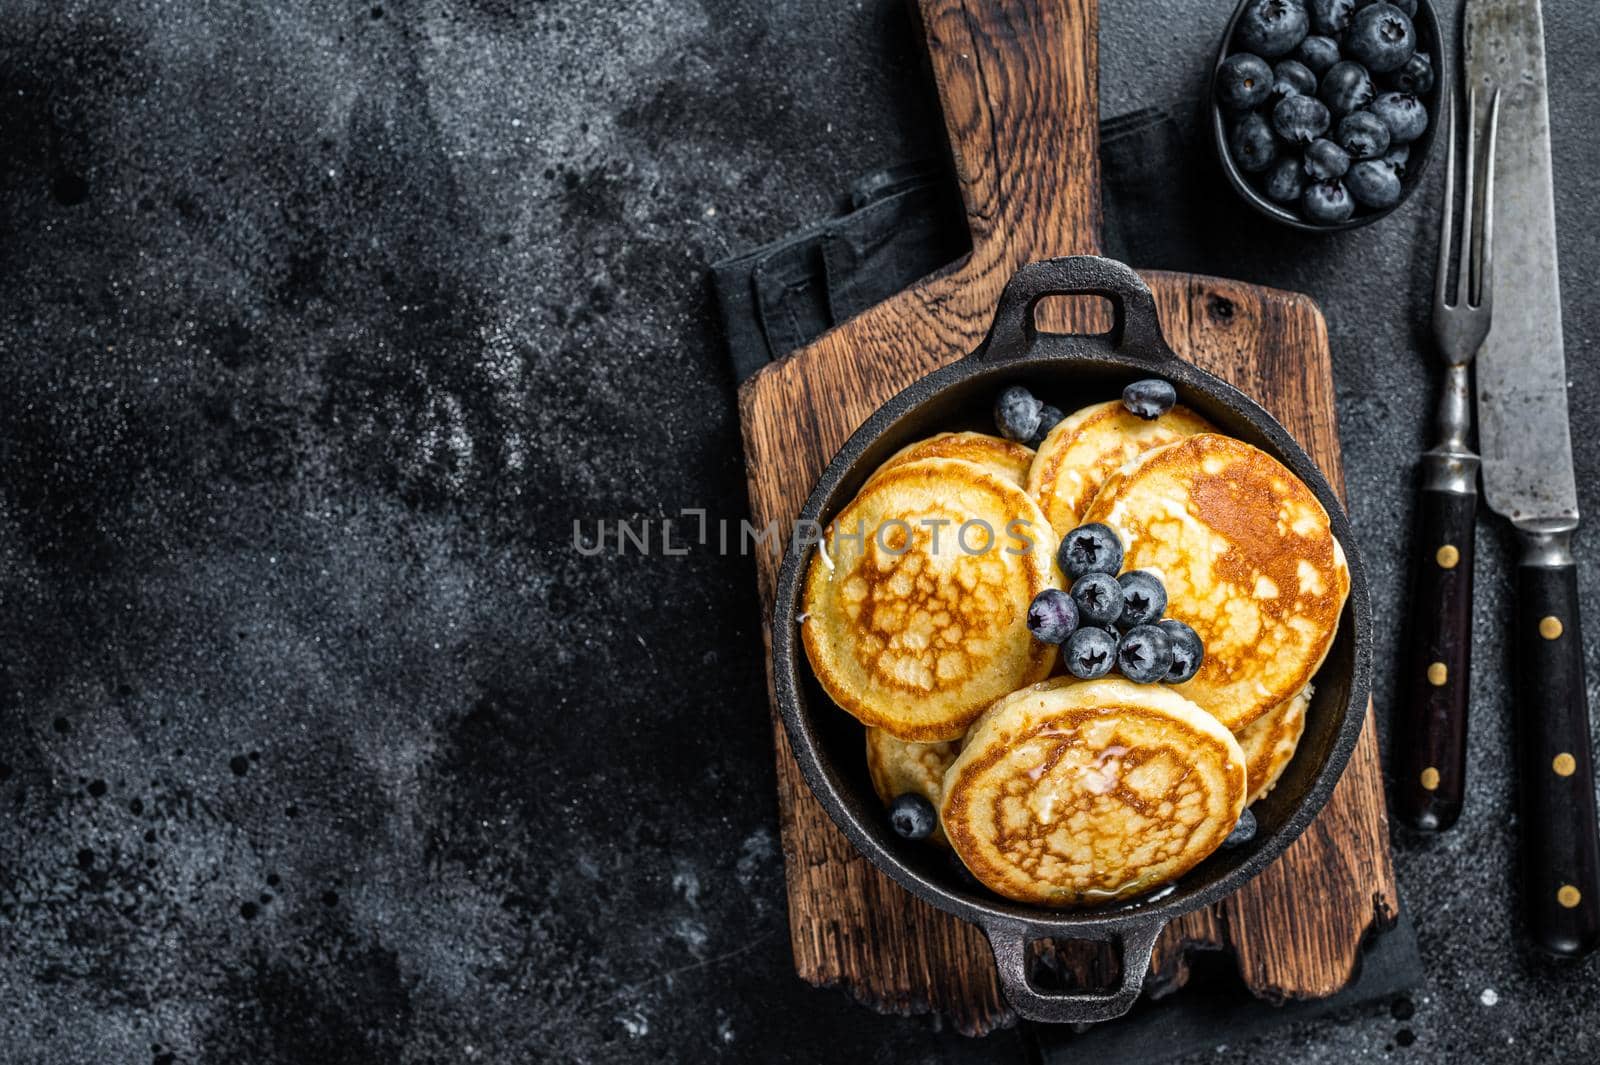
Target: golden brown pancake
913,628
1073,793
1090,445
1270,740
898,766
995,454
1248,558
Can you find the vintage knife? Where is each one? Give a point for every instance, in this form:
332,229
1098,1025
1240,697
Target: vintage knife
1526,447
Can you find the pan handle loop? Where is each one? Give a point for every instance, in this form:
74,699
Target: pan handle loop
1010,944
1135,329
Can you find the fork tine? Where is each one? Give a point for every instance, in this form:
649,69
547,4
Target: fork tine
1485,296
1441,273
1468,205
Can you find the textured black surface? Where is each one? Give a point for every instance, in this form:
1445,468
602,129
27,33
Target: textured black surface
320,324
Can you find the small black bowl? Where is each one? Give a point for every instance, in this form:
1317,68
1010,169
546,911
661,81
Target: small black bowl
1430,39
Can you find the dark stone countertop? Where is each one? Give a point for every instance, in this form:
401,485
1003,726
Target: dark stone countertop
321,324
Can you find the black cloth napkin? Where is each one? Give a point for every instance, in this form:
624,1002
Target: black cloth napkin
902,223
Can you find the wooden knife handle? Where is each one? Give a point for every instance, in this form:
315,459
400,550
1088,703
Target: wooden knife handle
1560,842
1430,756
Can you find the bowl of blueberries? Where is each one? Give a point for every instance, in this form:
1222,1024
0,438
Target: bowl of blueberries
1324,111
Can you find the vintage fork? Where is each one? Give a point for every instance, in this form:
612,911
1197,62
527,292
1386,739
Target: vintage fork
1430,755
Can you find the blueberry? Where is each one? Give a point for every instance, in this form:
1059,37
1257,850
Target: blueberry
1330,17
1090,653
1403,114
912,817
1150,398
1325,160
1416,76
1099,599
1052,616
1144,597
1048,418
1285,181
1293,78
1346,87
1092,548
1017,413
1145,654
1187,650
1273,27
1300,119
1327,201
1363,135
1244,831
1381,38
1243,81
1252,143
1396,158
1318,54
1373,184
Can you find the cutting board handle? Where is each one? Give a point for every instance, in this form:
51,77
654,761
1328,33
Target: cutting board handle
1019,82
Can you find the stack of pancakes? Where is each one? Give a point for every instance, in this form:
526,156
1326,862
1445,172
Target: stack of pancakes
1058,791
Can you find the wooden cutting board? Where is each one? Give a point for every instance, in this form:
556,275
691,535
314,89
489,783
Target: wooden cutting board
1018,84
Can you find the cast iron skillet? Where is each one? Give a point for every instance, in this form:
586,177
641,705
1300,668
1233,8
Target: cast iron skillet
1068,371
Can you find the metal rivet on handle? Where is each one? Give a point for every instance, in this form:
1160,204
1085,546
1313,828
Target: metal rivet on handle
1447,556
1569,896
1438,674
1564,764
1550,628
1430,778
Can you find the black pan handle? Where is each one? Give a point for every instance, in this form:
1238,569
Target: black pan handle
1010,943
1560,843
1430,757
1135,328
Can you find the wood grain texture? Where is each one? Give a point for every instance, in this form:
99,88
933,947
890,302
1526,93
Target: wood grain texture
1017,82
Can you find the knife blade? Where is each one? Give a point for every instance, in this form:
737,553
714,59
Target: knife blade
1526,446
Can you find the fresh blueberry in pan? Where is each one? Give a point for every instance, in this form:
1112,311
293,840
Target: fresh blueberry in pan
1318,54
1048,418
1243,81
1300,119
1363,135
1285,181
1373,184
1252,144
1416,76
1099,599
1381,38
1346,87
1325,160
1092,548
1293,78
1052,616
1330,17
1145,655
1244,831
1327,202
1016,413
1396,158
912,816
1149,399
1144,598
1090,653
1403,114
1187,650
1273,27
